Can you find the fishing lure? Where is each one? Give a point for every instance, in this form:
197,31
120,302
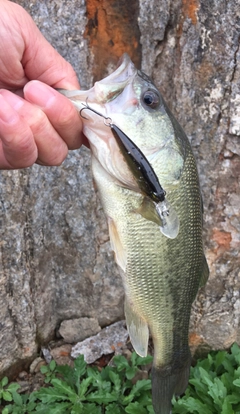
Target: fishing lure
145,175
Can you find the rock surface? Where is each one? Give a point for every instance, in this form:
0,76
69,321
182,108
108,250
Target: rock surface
56,262
111,339
75,330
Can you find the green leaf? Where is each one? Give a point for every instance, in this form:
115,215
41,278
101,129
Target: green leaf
199,385
114,377
17,398
137,389
227,364
90,409
220,357
62,387
193,406
236,382
141,361
135,408
121,362
101,398
13,387
233,398
67,373
44,369
84,387
4,381
52,365
206,378
7,396
141,385
52,395
80,366
131,372
218,392
150,409
227,407
114,408
60,408
235,350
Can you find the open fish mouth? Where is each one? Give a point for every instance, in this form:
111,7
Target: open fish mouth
110,87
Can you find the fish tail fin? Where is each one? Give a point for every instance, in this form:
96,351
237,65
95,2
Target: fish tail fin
165,385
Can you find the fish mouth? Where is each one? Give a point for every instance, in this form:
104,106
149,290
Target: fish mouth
111,86
124,69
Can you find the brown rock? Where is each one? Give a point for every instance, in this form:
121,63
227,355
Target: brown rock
75,330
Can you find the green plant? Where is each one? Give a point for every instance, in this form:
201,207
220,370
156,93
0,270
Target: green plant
21,404
49,371
84,390
214,388
214,385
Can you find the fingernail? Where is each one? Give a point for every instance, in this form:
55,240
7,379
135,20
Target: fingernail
7,113
39,93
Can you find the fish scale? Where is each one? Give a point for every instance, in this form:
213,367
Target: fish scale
157,242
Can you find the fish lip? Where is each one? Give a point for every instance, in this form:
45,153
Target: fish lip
123,59
124,71
110,87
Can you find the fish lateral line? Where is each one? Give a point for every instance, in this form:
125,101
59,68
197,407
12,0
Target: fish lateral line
145,175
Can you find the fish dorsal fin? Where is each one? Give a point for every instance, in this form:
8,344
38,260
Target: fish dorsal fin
205,273
117,247
137,328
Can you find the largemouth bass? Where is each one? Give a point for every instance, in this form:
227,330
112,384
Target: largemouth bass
137,146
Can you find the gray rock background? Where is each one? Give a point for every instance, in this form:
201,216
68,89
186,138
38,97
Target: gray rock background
56,264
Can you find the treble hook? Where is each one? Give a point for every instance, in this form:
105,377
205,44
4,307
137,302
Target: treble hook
106,118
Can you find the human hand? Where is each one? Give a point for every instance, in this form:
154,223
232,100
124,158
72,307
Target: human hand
44,125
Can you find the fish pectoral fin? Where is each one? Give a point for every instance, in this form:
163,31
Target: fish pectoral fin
137,329
117,247
205,273
149,212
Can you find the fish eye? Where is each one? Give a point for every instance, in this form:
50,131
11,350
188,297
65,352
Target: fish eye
151,99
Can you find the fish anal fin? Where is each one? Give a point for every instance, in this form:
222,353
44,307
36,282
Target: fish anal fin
205,273
137,328
117,247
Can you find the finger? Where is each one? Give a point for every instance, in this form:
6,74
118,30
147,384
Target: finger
38,58
62,114
52,150
17,145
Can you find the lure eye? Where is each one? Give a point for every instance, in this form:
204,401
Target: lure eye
151,99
